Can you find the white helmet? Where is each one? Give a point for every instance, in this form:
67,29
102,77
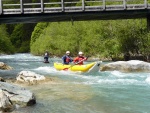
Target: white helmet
67,52
80,53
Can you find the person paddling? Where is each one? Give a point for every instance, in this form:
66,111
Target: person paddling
80,58
46,56
66,58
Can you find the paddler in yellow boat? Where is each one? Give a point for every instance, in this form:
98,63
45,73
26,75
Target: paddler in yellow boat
66,58
80,58
78,65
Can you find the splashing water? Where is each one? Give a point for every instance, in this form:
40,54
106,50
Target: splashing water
100,92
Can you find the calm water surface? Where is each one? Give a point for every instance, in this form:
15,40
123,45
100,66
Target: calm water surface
101,92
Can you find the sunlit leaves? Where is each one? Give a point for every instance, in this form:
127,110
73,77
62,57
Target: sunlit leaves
95,38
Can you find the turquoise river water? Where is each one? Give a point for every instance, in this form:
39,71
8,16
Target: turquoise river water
100,92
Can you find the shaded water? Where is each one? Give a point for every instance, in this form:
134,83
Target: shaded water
101,92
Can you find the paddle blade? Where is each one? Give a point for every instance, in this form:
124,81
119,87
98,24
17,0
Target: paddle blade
65,69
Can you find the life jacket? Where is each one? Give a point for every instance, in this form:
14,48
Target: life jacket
68,59
79,60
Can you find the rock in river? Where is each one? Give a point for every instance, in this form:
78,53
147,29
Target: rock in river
127,66
12,95
29,77
4,66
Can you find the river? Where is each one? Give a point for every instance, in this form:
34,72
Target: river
100,92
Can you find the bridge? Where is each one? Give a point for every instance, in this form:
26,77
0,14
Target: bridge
22,11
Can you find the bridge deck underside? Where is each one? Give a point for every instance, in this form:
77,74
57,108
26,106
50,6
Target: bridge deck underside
74,16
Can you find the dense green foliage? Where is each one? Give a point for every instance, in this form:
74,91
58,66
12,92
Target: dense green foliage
5,43
20,37
15,38
38,31
96,38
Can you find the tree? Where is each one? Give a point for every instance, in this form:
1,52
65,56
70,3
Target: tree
5,43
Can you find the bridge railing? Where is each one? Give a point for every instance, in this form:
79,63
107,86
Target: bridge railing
22,7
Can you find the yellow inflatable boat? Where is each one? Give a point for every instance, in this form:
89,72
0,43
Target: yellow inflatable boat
91,67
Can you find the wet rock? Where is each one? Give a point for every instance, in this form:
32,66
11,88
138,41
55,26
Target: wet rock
29,77
17,95
2,80
127,66
4,66
5,103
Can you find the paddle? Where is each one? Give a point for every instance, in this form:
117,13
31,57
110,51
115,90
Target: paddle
74,64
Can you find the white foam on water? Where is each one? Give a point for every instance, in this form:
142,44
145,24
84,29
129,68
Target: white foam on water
119,74
7,57
127,75
22,57
116,78
119,81
147,80
113,82
52,70
116,73
47,69
22,64
134,62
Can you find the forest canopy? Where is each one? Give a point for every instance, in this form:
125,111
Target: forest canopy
96,38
